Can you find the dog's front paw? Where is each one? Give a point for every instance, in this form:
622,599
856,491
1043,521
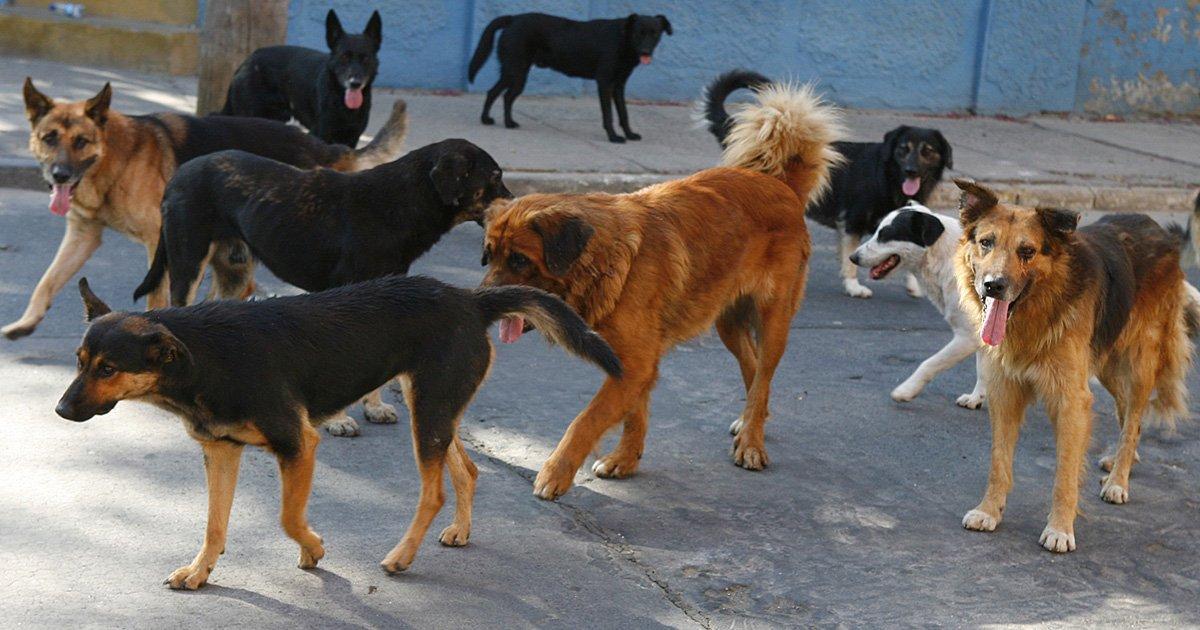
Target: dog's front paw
748,453
487,120
906,391
455,536
345,426
382,413
856,290
1057,541
970,401
310,555
399,559
1112,492
980,521
511,124
615,466
913,287
190,577
555,478
615,139
629,135
19,328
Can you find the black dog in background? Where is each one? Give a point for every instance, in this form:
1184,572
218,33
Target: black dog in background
876,178
604,50
329,93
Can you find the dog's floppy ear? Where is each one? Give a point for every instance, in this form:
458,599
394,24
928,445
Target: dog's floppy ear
449,177
374,30
36,103
333,29
975,202
96,107
1058,222
944,149
893,136
93,306
666,24
563,242
926,228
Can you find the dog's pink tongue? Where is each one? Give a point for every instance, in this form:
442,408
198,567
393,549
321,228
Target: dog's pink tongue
511,328
60,199
354,98
911,186
645,60
995,319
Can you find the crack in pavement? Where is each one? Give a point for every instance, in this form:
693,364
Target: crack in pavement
608,539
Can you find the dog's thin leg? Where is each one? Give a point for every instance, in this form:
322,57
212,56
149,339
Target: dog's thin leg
194,286
295,475
1006,411
959,348
1071,412
622,113
749,451
606,95
221,461
1131,406
492,95
160,296
735,333
847,243
516,85
79,243
377,411
463,474
974,400
623,461
231,280
912,286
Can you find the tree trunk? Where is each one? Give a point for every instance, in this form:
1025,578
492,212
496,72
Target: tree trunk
232,30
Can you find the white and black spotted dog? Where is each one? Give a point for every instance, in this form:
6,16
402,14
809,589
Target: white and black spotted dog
916,240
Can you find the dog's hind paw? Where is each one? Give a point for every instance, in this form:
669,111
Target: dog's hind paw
1057,541
189,578
381,414
980,521
970,401
1113,493
344,426
905,392
615,466
18,329
455,536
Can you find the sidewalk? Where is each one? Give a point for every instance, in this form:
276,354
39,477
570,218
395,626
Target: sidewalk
1047,160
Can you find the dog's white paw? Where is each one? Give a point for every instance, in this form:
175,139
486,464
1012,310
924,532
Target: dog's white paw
345,426
1113,493
382,413
914,289
980,521
970,401
905,392
1056,541
736,426
856,290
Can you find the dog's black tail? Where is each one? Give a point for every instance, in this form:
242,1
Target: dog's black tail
484,47
158,268
553,317
713,100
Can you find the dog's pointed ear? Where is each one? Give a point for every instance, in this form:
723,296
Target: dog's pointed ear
666,24
975,201
630,21
563,241
927,228
1058,222
333,29
945,150
96,107
892,137
36,103
374,30
93,306
449,177
163,348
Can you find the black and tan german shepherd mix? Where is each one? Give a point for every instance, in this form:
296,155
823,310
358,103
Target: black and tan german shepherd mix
106,169
329,93
265,373
875,178
1057,305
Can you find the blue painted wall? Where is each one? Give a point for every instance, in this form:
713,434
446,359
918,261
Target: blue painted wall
991,56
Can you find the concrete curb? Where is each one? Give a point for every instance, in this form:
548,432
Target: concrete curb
24,173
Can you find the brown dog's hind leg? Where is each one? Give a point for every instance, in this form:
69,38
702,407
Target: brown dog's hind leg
463,474
232,271
1131,388
221,461
749,451
735,328
295,475
1006,412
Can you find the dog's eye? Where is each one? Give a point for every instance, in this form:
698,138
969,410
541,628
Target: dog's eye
987,242
81,142
50,138
1026,252
517,261
106,371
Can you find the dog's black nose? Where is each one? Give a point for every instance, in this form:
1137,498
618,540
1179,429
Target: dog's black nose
995,288
854,258
355,84
60,173
65,410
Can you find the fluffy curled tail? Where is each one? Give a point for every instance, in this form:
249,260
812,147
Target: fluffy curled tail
787,133
712,103
387,144
158,269
484,48
1171,396
553,318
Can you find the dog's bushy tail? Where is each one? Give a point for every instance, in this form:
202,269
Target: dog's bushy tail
787,133
158,268
387,144
1170,400
553,318
484,48
711,107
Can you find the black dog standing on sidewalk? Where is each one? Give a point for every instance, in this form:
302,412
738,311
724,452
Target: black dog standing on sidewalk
329,93
604,50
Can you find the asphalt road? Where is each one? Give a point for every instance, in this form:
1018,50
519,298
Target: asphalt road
855,522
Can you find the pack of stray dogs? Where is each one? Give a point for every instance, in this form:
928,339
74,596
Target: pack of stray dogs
1042,304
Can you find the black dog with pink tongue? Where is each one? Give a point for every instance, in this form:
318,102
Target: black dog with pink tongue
328,93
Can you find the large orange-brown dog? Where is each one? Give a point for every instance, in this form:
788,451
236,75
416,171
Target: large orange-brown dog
1057,305
106,169
653,268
